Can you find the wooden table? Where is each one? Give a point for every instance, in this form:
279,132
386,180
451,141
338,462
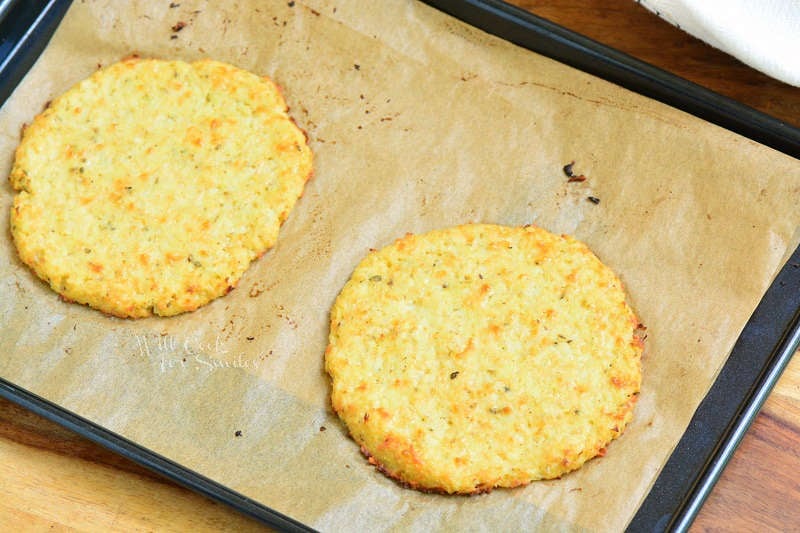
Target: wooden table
51,478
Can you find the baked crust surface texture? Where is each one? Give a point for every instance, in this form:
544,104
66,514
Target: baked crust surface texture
483,356
150,187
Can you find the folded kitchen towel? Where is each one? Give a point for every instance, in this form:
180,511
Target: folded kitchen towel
764,34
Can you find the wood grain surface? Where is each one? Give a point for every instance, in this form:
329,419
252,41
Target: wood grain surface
52,479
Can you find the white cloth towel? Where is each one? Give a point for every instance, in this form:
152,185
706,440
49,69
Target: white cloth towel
764,34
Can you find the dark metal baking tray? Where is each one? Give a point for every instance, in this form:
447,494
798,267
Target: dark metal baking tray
764,348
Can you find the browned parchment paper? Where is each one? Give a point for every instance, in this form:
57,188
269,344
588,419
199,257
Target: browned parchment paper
417,122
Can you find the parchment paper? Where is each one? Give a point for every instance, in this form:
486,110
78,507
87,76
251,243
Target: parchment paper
417,122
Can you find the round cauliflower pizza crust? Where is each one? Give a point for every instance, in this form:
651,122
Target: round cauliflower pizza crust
483,356
151,186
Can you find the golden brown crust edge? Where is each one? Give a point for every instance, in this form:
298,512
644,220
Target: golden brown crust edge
569,462
194,294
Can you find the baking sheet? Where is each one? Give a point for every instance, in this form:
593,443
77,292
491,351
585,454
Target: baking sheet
539,35
418,121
